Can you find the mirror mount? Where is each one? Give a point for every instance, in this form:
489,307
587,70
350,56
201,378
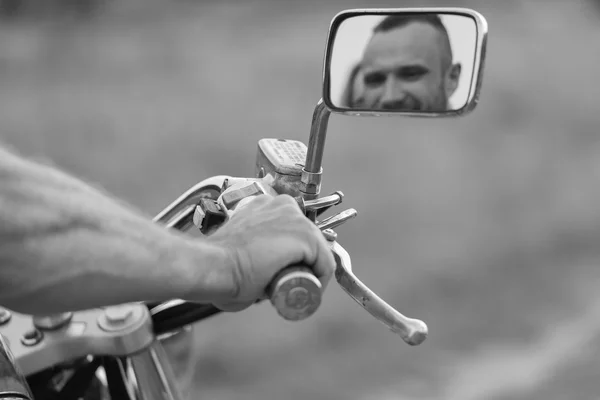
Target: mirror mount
313,170
411,65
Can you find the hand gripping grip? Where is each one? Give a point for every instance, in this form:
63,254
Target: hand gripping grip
295,291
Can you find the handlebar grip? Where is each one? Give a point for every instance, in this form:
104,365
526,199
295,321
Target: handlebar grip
295,292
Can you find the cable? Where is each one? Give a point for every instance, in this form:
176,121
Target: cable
78,385
178,319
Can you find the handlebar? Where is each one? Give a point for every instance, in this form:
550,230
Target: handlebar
295,291
175,314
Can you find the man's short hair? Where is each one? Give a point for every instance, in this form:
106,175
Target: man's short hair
399,21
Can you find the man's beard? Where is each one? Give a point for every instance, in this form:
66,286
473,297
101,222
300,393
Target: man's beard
409,103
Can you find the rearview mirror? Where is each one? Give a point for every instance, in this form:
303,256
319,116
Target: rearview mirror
416,62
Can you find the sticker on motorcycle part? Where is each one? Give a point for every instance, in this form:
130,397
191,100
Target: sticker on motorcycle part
231,198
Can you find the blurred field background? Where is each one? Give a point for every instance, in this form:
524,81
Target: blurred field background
487,227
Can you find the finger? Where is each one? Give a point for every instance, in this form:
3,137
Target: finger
251,206
316,251
261,199
325,263
232,306
285,199
256,201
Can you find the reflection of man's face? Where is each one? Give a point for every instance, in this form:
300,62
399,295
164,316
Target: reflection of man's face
407,68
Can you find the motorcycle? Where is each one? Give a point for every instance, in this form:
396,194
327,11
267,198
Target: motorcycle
117,352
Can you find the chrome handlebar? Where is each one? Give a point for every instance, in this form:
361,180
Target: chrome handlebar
412,331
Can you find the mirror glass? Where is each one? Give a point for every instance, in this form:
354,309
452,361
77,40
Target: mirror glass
403,62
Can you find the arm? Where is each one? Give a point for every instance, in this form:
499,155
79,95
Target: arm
67,246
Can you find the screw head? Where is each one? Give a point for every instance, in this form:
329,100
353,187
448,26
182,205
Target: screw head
32,337
52,322
118,314
330,235
5,316
116,318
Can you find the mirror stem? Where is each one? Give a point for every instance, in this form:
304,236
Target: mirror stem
311,174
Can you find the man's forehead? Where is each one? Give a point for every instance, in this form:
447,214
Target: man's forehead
416,42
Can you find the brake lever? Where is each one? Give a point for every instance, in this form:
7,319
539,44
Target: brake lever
412,331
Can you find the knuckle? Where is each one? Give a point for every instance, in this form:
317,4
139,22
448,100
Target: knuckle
288,204
285,199
261,199
313,234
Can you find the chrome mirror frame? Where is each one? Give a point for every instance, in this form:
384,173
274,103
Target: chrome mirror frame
478,62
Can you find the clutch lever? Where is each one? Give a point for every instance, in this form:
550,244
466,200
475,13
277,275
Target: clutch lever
412,331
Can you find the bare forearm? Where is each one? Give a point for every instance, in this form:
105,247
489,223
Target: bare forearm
66,246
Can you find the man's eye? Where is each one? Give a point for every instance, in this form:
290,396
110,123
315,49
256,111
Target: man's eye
374,79
412,73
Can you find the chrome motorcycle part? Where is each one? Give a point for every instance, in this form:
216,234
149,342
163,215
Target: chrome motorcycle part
206,188
338,219
5,316
51,322
322,204
96,331
312,172
148,375
412,331
330,235
32,337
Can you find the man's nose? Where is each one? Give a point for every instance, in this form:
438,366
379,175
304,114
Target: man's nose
393,93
